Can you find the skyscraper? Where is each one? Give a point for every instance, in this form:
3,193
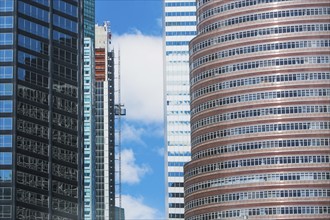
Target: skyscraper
89,111
40,113
89,19
260,111
179,29
89,131
105,129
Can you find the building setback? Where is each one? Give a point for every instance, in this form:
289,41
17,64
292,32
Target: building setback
179,28
105,119
40,113
260,103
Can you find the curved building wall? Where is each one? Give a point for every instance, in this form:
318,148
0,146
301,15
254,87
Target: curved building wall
260,111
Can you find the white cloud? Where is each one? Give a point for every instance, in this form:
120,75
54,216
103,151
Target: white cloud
136,209
139,133
160,22
131,133
131,173
159,151
141,67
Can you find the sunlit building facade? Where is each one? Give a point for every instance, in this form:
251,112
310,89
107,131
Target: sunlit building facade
104,127
179,29
260,111
40,113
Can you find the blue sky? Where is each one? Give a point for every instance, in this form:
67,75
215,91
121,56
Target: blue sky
136,28
127,15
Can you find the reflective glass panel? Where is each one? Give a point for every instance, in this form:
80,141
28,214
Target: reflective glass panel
6,140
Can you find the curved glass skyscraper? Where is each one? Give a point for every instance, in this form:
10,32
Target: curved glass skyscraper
260,111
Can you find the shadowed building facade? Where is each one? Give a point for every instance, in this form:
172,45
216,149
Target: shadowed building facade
260,103
40,109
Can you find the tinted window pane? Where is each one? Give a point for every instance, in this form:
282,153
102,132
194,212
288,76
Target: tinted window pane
6,55
65,7
65,23
6,105
33,11
5,175
6,89
5,158
6,38
33,28
6,21
6,5
6,140
6,124
6,72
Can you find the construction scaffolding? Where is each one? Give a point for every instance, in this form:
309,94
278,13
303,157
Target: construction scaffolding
119,112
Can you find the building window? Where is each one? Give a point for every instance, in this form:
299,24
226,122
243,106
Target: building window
6,106
5,210
6,89
6,21
6,55
65,23
33,28
5,158
33,11
6,5
6,38
5,176
6,124
5,193
6,72
6,140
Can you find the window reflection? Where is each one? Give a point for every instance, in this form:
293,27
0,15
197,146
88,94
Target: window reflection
6,89
6,72
5,158
6,106
6,5
6,140
6,38
5,176
6,21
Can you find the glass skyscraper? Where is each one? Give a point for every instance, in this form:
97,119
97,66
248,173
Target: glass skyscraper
89,111
89,19
89,130
260,111
179,29
40,115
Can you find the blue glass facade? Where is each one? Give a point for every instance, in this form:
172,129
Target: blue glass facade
6,108
89,18
40,119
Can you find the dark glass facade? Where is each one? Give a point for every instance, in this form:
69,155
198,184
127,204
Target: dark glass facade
89,18
40,116
89,111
